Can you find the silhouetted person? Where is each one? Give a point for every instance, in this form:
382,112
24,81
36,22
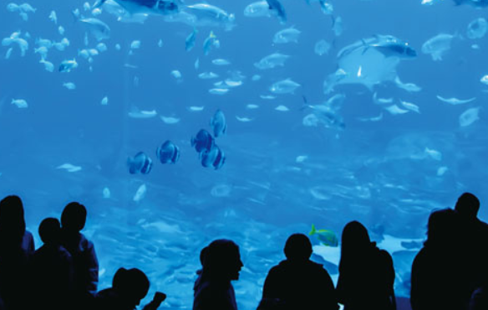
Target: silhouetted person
129,287
82,250
298,283
51,270
221,264
439,278
16,247
366,274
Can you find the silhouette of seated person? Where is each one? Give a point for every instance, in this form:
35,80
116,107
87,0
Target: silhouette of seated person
129,287
439,279
366,274
221,265
16,247
51,270
298,283
85,262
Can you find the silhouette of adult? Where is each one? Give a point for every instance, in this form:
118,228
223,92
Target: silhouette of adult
366,274
221,264
85,262
439,279
298,283
129,287
16,246
51,270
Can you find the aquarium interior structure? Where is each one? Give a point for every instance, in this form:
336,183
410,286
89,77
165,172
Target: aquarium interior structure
179,125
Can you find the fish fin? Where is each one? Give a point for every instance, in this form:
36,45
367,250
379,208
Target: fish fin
313,231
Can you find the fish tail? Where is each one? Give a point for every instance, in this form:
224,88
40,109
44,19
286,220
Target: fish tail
313,231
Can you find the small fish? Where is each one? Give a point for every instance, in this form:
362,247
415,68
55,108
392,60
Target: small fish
140,193
267,97
288,35
221,62
337,27
272,61
177,75
371,119
53,17
96,12
8,53
160,43
232,83
190,40
106,193
49,66
218,124
202,141
170,120
244,119
214,157
210,42
441,171
301,158
433,154
284,87
484,79
168,153
455,101
208,75
140,163
101,47
69,167
257,9
97,28
322,47
395,110
437,46
142,114
252,106
104,101
68,65
282,108
325,236
195,109
20,103
218,91
410,87
469,117
410,106
69,85
136,44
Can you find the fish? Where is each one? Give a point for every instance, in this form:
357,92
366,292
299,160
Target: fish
202,141
168,153
48,66
326,114
218,124
258,9
410,87
272,61
210,42
375,59
455,101
477,28
469,116
101,47
142,114
41,51
325,236
322,47
218,91
286,86
195,109
267,97
282,108
190,40
9,53
207,15
150,7
98,29
213,157
69,85
484,79
177,75
20,103
53,17
337,27
252,106
68,65
438,45
69,167
106,193
21,43
104,101
61,30
170,120
410,106
61,45
208,75
221,62
395,110
287,35
475,3
244,119
140,193
277,9
136,44
433,154
232,83
140,163
23,9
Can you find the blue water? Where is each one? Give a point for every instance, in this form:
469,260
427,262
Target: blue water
380,173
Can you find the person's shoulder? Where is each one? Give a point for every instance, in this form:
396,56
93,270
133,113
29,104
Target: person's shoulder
85,243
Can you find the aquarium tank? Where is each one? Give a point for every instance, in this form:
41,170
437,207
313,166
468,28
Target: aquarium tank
176,123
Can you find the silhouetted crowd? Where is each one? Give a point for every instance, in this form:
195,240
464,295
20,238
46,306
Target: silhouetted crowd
450,272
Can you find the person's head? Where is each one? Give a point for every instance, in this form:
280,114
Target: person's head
355,235
131,284
73,217
298,247
50,230
442,227
12,222
467,205
222,260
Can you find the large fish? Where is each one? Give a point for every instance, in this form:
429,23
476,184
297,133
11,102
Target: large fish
151,7
476,3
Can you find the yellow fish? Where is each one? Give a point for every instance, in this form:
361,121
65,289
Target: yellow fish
326,237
